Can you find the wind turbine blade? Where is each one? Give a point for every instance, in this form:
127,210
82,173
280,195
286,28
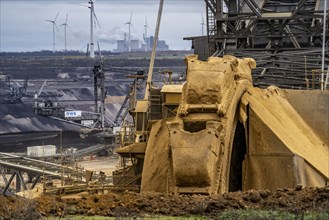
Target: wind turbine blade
56,16
67,14
96,20
99,50
84,47
133,27
49,21
146,26
131,16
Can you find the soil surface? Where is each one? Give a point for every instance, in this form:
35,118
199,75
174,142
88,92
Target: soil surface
129,204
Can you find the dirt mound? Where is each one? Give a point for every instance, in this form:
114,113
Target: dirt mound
133,204
13,207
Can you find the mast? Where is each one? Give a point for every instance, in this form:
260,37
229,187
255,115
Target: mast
155,42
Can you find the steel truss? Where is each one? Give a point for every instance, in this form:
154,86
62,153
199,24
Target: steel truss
35,169
284,36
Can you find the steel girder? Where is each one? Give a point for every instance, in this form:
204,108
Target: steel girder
285,37
257,22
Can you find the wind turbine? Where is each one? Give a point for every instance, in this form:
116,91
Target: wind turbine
202,24
145,33
65,26
129,33
92,23
54,24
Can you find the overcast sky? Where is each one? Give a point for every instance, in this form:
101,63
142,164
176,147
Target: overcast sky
23,26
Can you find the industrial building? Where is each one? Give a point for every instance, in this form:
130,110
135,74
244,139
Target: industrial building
136,45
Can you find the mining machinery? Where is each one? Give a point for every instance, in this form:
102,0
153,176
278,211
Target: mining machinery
219,133
285,37
9,93
224,129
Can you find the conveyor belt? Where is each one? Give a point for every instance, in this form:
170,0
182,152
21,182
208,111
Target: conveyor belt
40,168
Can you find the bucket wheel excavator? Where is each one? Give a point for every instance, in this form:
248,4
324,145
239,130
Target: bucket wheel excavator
218,133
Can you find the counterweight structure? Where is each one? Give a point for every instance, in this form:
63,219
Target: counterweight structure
284,36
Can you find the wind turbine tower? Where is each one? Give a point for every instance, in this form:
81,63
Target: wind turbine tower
93,18
145,33
65,26
129,31
54,24
91,48
202,25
